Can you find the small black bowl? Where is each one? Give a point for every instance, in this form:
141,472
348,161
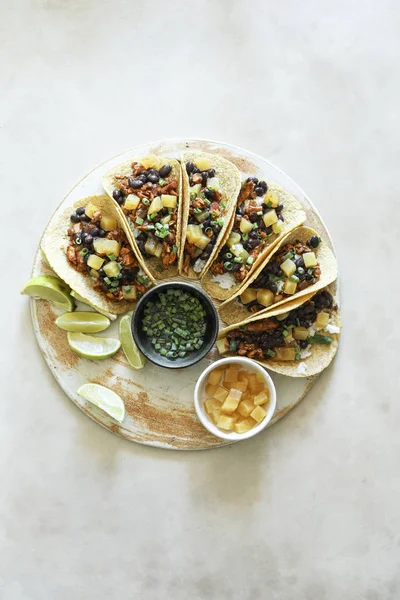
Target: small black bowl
144,343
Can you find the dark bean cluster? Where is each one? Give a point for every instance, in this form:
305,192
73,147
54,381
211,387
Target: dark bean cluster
146,176
260,186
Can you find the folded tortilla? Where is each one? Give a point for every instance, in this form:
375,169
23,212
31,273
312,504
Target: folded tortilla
153,263
229,186
54,245
234,311
294,216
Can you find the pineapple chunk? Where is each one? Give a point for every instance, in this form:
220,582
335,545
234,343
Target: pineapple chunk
203,163
300,333
270,218
261,398
258,414
202,241
278,226
255,386
129,292
169,201
95,262
322,320
214,377
108,223
245,225
233,239
232,401
226,422
104,246
288,267
90,210
94,273
265,297
290,287
222,346
260,377
111,269
310,260
193,233
215,415
242,376
212,404
244,426
231,375
284,353
248,295
131,202
272,198
220,393
246,407
195,189
241,385
155,206
211,389
150,162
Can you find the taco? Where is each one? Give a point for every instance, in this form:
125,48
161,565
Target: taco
299,342
300,264
263,215
88,247
210,188
148,192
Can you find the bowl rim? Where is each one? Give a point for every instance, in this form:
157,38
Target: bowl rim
205,420
159,287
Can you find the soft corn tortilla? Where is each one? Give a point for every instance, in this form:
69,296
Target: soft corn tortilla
153,263
321,355
229,186
294,217
233,311
54,245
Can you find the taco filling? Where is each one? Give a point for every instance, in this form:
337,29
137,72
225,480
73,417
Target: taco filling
206,214
99,248
149,198
285,337
258,217
292,269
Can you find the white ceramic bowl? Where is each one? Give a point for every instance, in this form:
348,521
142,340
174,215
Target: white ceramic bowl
200,396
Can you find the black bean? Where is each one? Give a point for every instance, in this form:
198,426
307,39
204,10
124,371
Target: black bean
117,194
323,300
272,286
84,219
209,193
299,262
211,172
281,218
240,210
189,167
102,233
216,228
104,286
143,177
263,185
252,243
265,208
135,182
88,240
204,177
253,235
95,232
80,210
268,230
253,217
313,241
75,218
303,344
153,172
153,178
273,267
279,208
253,179
196,170
165,171
259,191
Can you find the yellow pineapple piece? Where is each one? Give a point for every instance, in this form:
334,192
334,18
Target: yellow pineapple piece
258,414
211,404
231,401
244,425
242,385
231,375
226,422
220,393
211,389
214,377
214,416
246,407
242,375
261,398
260,378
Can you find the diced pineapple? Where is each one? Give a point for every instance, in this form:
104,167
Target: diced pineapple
290,287
231,401
193,233
242,376
231,375
284,353
282,316
233,239
202,241
195,189
245,225
111,269
278,226
255,386
288,267
260,377
222,346
226,422
169,201
211,389
239,251
246,407
108,223
150,162
104,246
155,206
203,163
241,385
261,398
90,210
215,415
94,273
322,320
220,393
129,292
272,198
265,297
95,262
258,414
131,202
214,377
270,218
152,247
212,404
165,220
300,333
244,425
310,260
248,295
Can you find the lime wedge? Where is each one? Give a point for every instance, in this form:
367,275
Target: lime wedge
91,347
105,399
50,288
84,301
134,357
83,322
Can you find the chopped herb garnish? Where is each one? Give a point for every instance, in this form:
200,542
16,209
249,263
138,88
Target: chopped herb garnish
145,201
245,237
139,221
161,182
223,204
255,226
84,251
228,265
127,289
297,355
250,260
107,280
111,256
220,221
143,280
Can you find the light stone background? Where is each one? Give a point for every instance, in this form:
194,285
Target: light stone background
311,509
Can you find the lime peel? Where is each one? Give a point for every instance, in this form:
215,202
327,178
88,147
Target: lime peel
91,347
105,399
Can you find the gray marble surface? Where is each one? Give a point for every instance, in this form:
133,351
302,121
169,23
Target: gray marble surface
311,509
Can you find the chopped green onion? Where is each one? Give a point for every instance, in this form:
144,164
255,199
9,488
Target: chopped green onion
78,241
107,280
143,280
259,213
294,278
288,255
139,221
300,270
170,211
320,339
297,355
228,266
223,204
255,226
161,182
207,202
127,288
238,259
250,260
193,196
84,251
245,237
220,221
228,255
174,249
270,352
145,201
111,256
